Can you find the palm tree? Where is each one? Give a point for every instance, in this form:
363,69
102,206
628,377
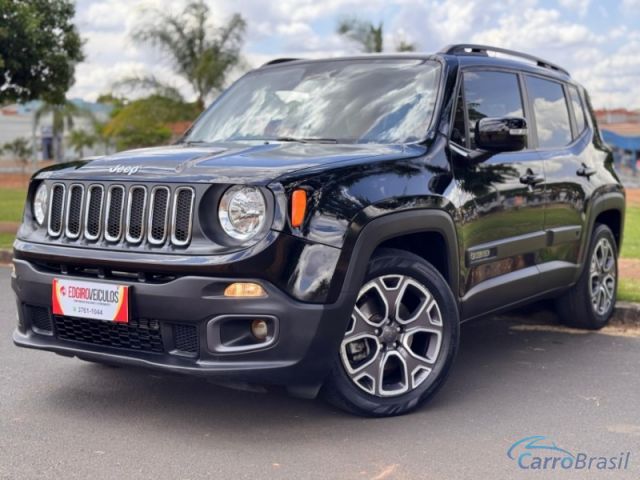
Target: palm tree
19,149
369,36
62,117
79,140
200,54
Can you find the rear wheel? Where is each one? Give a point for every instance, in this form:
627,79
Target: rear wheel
591,301
401,339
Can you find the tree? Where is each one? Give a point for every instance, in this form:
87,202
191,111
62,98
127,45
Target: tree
144,122
81,139
365,33
20,150
201,54
62,117
369,36
39,49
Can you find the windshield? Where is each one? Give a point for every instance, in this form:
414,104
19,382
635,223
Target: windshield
363,101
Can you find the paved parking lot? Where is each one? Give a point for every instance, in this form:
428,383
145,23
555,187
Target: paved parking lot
63,418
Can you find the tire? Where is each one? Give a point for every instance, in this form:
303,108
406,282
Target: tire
578,308
417,340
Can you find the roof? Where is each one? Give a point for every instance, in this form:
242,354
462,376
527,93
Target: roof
461,58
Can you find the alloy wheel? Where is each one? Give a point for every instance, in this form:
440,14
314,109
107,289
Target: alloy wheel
602,276
394,337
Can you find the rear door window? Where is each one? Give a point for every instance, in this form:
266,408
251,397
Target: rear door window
491,94
578,110
550,112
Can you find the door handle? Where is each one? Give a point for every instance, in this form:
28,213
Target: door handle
585,171
531,178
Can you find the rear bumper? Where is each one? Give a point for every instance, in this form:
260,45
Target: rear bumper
306,339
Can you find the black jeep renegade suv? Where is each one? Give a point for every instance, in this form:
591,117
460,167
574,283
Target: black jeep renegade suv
327,224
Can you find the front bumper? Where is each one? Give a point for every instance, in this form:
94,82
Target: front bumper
300,355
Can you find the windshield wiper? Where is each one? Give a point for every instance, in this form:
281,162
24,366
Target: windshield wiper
306,140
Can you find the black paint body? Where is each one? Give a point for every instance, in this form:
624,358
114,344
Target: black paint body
497,241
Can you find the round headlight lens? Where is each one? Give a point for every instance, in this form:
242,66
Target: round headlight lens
40,203
242,212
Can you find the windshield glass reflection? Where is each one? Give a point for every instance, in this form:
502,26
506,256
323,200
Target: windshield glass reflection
368,101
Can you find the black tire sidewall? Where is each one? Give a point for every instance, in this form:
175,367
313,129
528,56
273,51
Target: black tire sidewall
388,262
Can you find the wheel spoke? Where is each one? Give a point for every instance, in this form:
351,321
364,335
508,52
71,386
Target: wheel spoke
394,337
360,326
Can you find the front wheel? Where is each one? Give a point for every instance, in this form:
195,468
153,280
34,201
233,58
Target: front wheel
401,340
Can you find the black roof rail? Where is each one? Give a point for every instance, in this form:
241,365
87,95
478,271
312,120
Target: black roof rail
473,49
275,61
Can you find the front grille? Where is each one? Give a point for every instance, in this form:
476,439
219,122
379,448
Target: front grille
158,215
185,338
140,335
93,216
182,212
74,211
56,207
135,214
115,204
122,214
40,318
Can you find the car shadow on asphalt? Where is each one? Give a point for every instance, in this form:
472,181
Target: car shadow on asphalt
495,360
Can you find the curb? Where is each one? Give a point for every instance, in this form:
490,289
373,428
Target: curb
626,313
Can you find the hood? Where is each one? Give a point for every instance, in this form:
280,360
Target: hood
222,163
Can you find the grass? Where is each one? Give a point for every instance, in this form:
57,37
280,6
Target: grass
11,204
631,241
629,290
6,241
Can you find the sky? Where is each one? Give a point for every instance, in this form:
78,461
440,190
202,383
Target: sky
597,41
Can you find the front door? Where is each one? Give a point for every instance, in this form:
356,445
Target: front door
502,227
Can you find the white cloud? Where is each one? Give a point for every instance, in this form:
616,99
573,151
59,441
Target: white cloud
567,34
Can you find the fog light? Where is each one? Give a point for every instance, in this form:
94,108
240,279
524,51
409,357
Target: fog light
260,329
244,290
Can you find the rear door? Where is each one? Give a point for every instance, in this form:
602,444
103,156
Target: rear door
502,223
560,124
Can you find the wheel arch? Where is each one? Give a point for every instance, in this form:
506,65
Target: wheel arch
405,230
607,209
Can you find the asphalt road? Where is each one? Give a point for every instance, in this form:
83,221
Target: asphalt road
63,418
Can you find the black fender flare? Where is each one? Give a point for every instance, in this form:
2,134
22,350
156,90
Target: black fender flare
361,243
602,203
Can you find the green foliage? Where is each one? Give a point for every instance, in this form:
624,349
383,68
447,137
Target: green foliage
39,49
201,54
63,115
18,149
81,139
144,122
370,37
404,46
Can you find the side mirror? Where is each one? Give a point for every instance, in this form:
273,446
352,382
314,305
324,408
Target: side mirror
504,134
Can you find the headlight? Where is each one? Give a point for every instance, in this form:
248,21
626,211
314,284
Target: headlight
242,212
40,203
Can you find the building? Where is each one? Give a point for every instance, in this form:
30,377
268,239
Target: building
18,120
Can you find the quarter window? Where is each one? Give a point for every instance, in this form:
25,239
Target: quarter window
578,110
550,111
491,94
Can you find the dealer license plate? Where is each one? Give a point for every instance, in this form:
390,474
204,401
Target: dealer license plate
97,301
